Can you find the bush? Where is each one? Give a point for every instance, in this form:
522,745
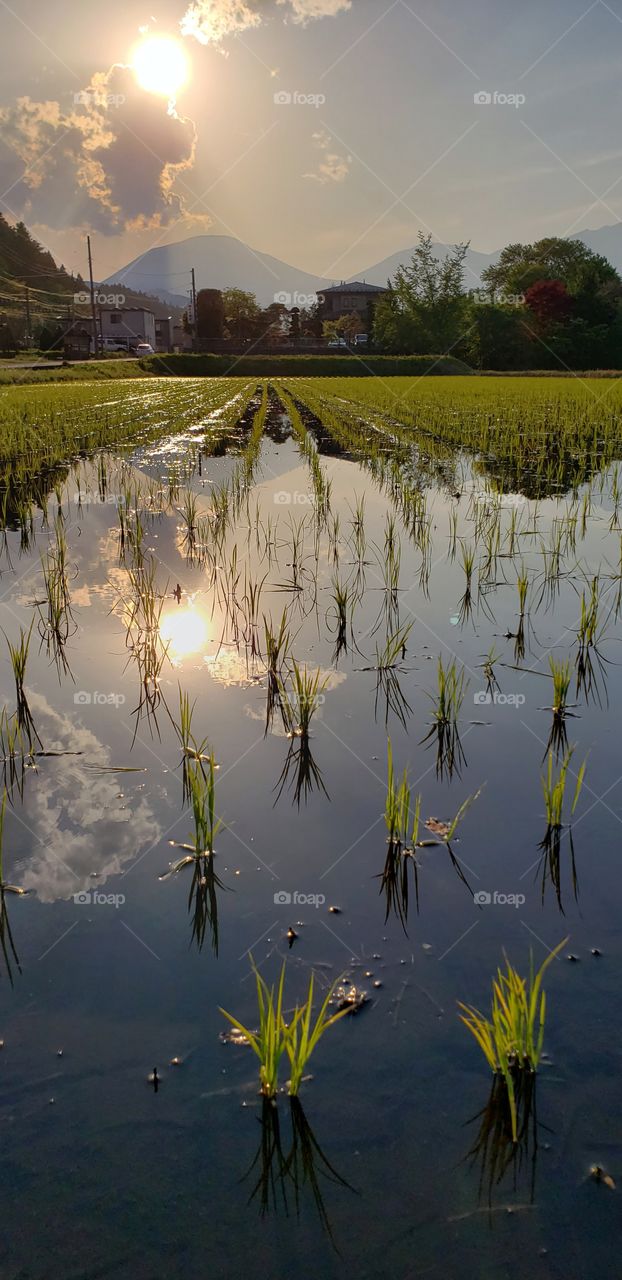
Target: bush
210,366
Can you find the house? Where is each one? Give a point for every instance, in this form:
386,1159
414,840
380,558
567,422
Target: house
77,341
128,325
345,299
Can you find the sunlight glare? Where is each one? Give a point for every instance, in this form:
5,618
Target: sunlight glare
160,65
185,631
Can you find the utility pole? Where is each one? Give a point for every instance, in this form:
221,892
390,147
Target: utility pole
194,312
28,331
93,311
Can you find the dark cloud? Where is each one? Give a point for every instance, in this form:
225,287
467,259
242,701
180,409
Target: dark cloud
108,158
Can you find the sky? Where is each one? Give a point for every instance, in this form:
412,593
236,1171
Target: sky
325,132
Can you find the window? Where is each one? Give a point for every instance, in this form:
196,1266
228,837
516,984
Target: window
116,317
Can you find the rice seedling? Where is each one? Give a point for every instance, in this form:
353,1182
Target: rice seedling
342,613
451,691
554,789
465,607
511,1039
301,699
18,654
277,644
488,668
189,512
522,585
57,624
398,806
296,1039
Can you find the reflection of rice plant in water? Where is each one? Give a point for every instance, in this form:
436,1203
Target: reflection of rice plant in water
512,1038
283,1173
297,1039
495,1149
277,646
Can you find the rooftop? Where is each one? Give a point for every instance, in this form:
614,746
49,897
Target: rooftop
354,286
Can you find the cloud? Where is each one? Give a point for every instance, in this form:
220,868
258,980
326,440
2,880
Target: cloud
80,824
303,10
109,159
333,167
210,21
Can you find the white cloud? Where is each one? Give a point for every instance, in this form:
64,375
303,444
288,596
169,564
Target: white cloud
332,167
210,21
305,9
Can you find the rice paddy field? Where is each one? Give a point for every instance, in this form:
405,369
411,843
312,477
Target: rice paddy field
311,794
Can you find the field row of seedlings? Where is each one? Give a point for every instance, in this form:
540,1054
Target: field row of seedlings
321,567
549,434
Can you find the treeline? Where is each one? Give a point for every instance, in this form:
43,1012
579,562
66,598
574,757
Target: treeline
551,305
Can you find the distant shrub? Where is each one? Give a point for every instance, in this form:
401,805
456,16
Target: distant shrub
300,366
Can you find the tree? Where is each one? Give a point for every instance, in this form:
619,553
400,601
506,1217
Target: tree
210,317
498,338
274,323
522,265
294,327
242,314
550,303
345,327
426,307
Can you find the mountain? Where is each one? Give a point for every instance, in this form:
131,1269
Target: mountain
474,265
220,262
606,240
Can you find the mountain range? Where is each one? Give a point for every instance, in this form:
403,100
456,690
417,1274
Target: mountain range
222,262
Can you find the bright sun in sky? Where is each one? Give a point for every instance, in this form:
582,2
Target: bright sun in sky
160,65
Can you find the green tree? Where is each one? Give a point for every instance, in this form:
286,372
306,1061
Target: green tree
584,273
242,315
426,308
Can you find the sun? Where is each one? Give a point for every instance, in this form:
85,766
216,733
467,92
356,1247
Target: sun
184,632
160,65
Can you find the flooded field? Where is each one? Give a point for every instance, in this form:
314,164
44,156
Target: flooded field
225,641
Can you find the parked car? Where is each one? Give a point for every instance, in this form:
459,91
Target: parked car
114,344
361,340
144,349
337,342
